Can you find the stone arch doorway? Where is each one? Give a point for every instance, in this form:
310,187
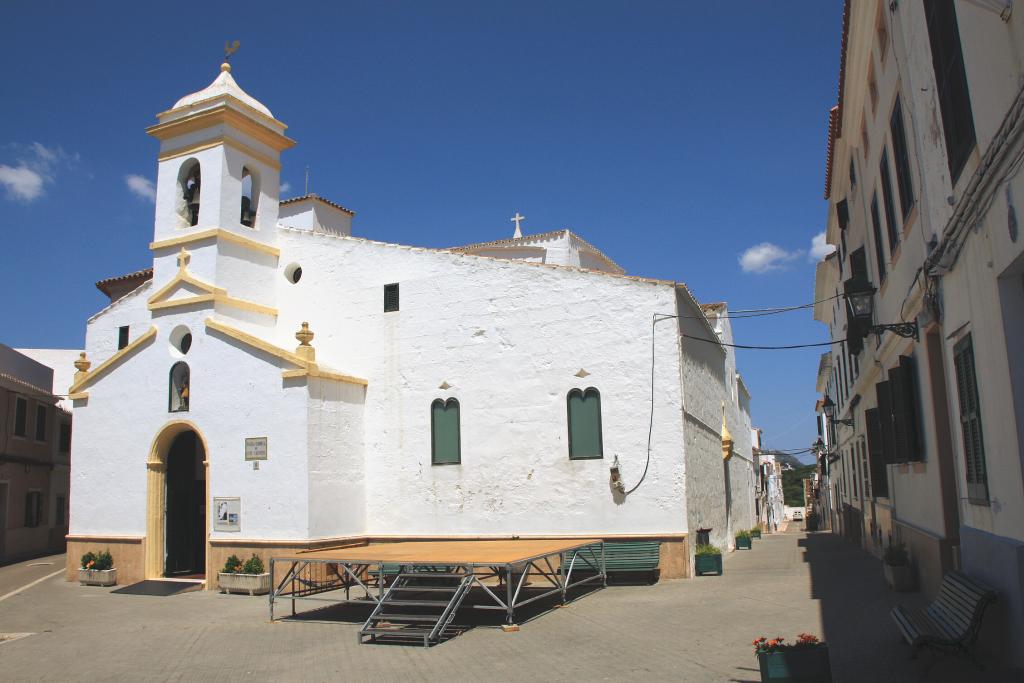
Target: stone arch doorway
177,523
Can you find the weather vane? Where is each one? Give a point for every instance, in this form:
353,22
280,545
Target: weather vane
230,49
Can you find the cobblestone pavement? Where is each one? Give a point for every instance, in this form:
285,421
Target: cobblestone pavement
686,630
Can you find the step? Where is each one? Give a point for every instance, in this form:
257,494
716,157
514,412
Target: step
402,632
427,589
405,617
418,603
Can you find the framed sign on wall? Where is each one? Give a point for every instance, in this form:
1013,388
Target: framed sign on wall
227,514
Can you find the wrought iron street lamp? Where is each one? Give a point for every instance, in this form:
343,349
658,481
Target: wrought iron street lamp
830,412
860,297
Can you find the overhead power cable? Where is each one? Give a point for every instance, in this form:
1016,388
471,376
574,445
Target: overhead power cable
764,348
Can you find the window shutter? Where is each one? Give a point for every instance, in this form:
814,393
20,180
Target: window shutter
585,424
897,389
970,421
390,298
911,409
951,83
885,421
444,432
843,214
879,477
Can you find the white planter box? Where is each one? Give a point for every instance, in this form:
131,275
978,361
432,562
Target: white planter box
97,577
253,584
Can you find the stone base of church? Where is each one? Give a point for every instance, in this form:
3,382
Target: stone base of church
130,556
128,553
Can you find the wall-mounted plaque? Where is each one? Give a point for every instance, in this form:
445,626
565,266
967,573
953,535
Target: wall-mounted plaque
227,514
256,448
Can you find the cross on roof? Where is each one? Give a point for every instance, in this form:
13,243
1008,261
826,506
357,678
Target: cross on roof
517,219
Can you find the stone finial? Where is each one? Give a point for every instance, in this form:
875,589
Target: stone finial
304,350
82,366
727,442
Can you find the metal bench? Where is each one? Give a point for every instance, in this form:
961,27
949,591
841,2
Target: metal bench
621,557
952,621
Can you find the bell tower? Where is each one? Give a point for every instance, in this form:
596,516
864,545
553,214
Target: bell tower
217,193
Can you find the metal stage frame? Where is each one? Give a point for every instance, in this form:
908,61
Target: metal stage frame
306,575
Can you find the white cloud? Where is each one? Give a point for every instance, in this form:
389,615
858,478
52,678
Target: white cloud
286,187
21,183
36,168
141,186
819,248
765,257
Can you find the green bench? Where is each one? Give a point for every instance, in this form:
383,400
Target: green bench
952,621
621,557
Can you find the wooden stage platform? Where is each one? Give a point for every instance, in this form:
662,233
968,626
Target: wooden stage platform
475,553
390,575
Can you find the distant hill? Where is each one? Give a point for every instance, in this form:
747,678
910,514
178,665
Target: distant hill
792,461
793,484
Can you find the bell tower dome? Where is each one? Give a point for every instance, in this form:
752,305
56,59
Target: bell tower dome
218,189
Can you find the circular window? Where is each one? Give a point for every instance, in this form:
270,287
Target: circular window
293,273
181,341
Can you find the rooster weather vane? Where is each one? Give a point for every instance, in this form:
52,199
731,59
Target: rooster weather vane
230,48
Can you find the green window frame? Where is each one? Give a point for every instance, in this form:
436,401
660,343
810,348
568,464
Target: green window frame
583,409
445,432
970,422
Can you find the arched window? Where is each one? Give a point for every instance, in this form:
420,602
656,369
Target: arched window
190,181
250,196
444,432
178,388
584,408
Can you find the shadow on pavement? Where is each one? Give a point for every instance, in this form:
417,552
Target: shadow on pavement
466,618
864,644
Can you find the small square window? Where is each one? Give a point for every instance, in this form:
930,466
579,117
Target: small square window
390,298
122,337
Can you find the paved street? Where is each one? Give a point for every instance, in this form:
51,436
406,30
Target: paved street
687,630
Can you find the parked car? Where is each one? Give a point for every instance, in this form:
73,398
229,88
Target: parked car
798,515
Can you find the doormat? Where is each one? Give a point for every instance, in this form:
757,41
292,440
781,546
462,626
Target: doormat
158,588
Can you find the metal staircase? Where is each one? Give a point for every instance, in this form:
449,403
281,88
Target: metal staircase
419,605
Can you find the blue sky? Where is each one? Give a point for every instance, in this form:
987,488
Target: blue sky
675,136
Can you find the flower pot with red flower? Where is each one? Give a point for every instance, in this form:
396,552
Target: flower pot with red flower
97,569
805,661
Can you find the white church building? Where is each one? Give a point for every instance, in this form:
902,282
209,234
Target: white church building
276,384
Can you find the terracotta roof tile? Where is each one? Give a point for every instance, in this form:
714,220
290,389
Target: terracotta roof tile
139,275
311,195
835,115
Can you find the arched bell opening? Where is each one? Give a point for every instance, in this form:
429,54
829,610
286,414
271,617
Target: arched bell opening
190,189
250,197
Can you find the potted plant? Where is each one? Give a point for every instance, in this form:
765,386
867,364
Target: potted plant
811,523
898,572
755,532
244,577
743,540
97,569
805,661
707,560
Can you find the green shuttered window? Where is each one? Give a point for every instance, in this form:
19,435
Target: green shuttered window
970,421
584,409
444,432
